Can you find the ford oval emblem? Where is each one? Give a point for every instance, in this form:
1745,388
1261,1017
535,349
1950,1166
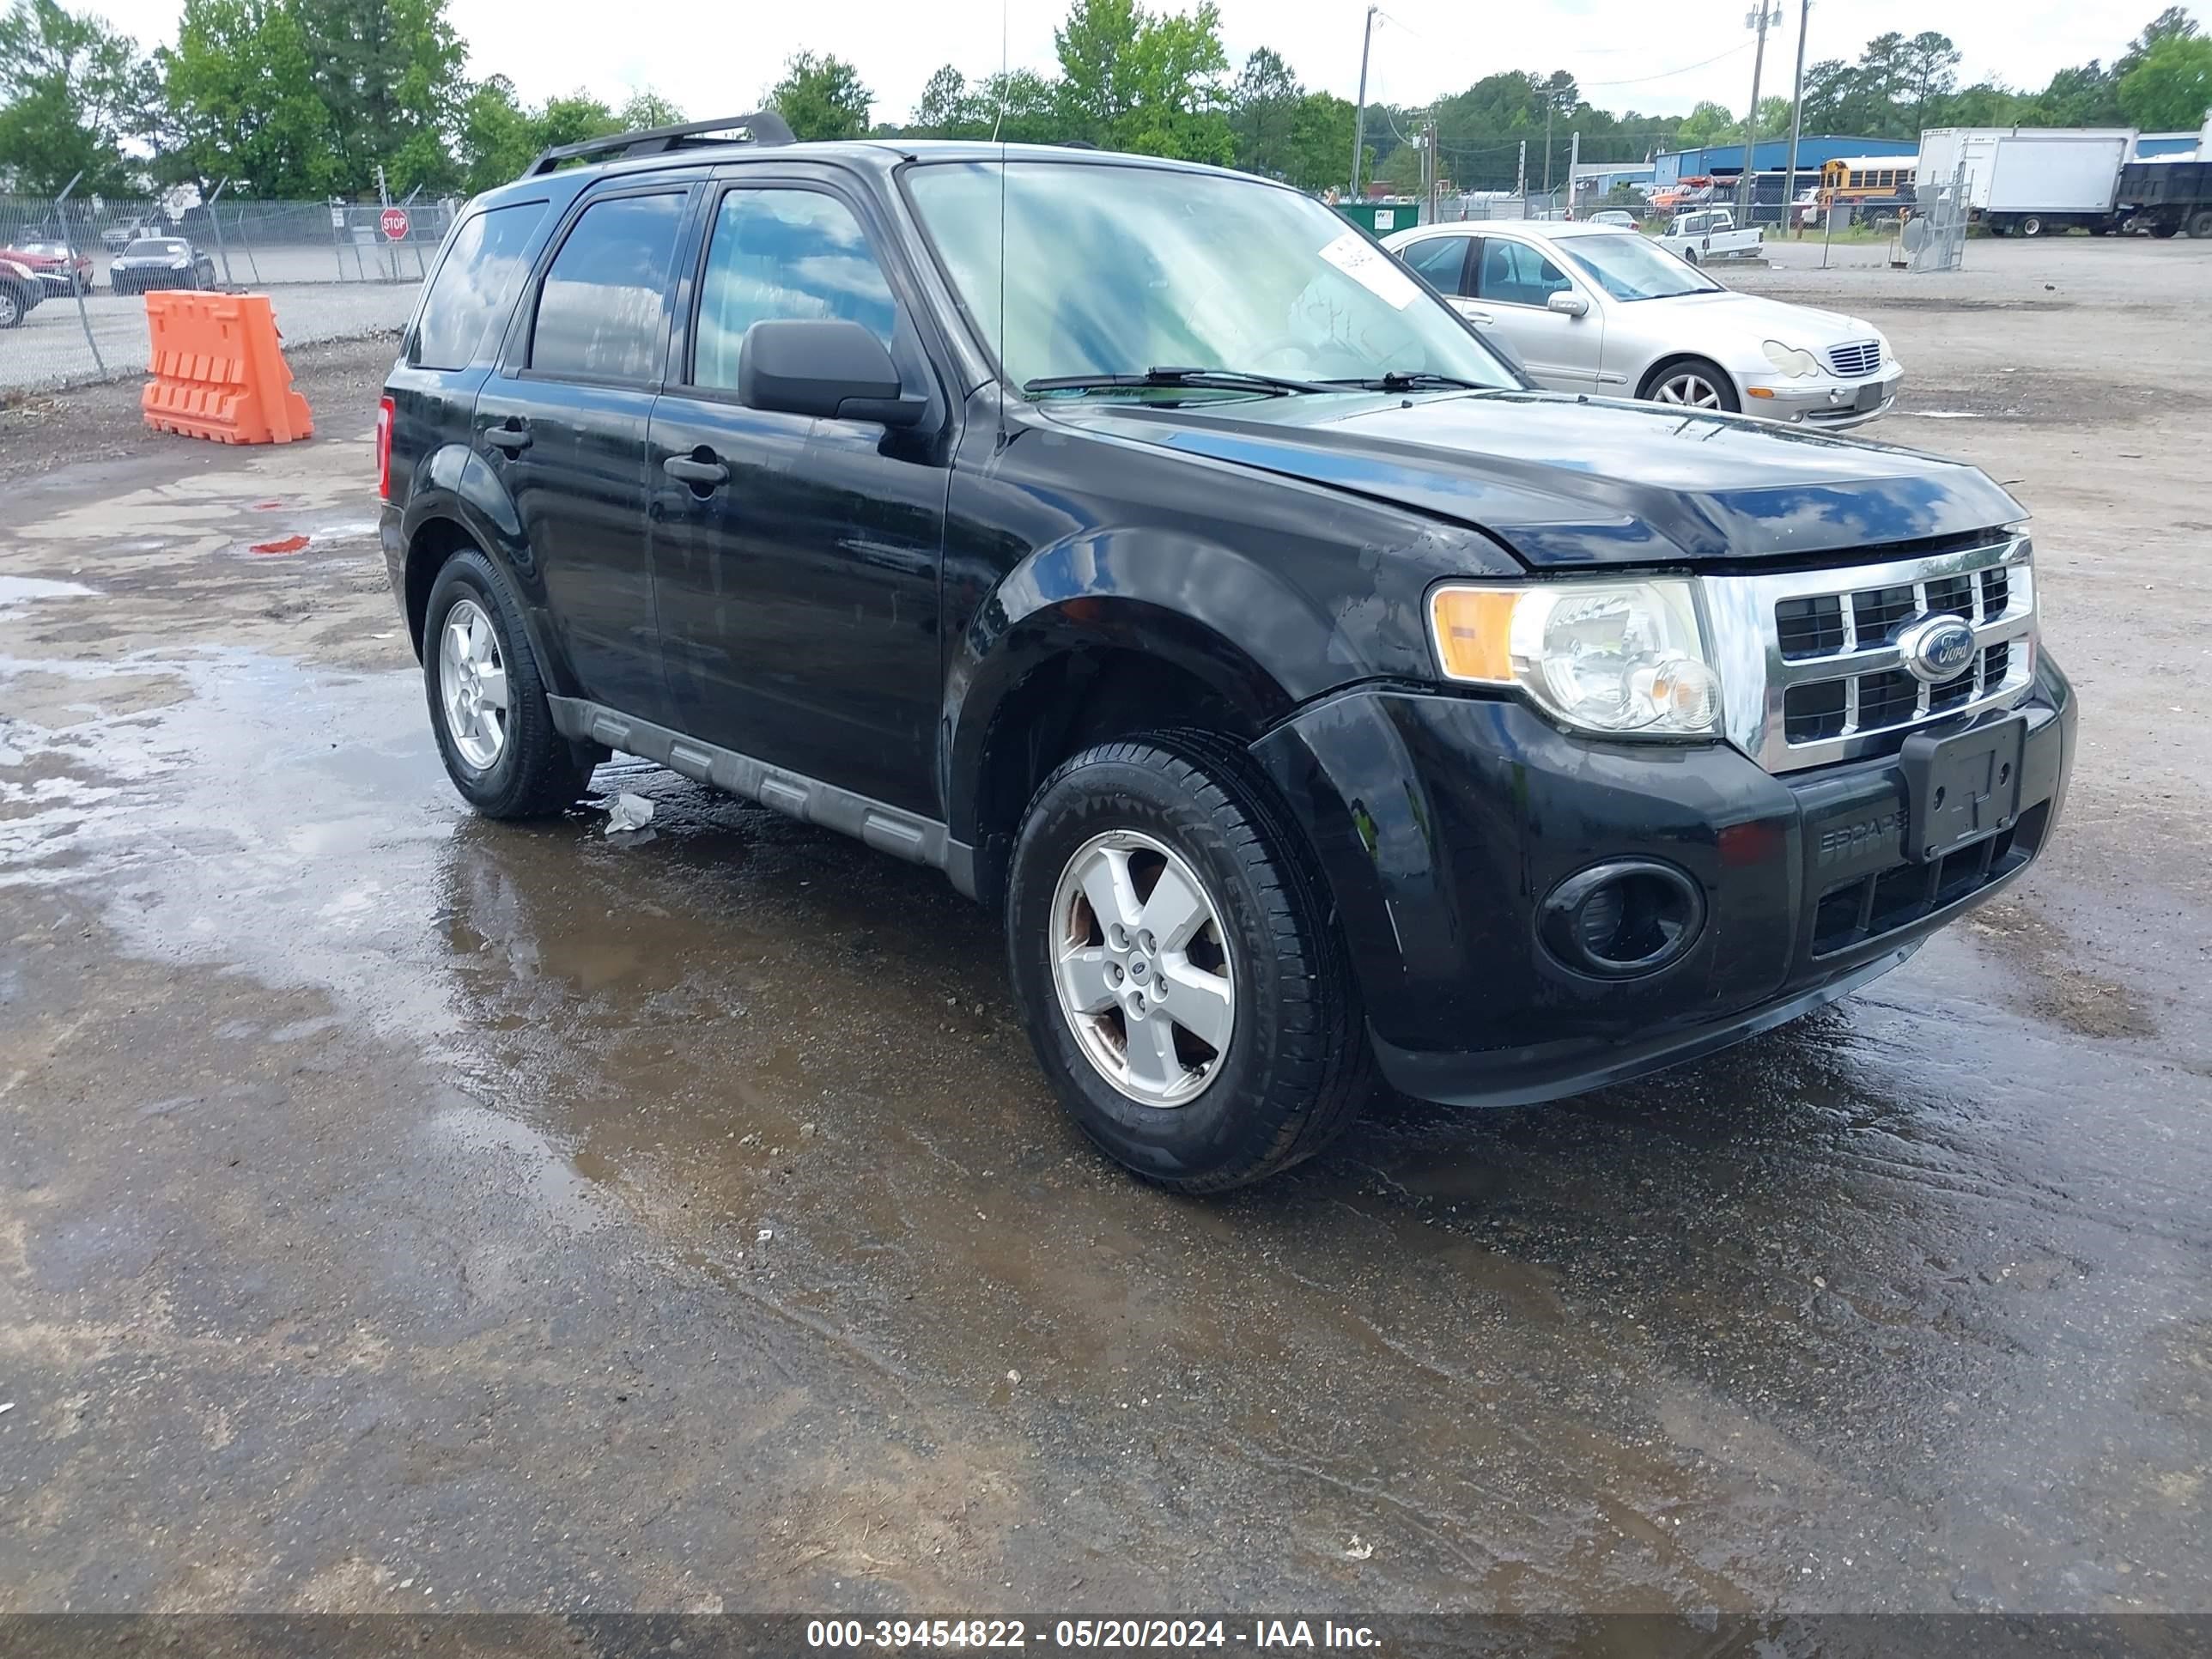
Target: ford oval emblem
1937,648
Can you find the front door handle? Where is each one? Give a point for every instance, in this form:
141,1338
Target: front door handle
696,470
512,438
1473,316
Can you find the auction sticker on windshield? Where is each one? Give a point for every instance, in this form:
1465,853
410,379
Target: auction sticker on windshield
1372,269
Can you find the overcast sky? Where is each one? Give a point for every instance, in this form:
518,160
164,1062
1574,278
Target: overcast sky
716,59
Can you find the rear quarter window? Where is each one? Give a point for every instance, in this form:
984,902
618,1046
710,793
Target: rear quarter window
475,285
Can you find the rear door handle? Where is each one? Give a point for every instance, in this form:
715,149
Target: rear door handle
512,438
696,471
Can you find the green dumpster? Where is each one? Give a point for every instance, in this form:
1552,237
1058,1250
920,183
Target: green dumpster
1380,218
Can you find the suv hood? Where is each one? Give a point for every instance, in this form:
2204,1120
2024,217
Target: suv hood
1564,481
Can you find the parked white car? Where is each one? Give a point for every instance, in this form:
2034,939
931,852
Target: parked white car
1588,307
1704,236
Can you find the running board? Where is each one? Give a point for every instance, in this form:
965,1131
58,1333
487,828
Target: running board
887,829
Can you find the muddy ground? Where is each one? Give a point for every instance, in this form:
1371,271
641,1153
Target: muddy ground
400,1211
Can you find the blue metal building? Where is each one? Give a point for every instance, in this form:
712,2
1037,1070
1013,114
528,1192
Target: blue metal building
1772,155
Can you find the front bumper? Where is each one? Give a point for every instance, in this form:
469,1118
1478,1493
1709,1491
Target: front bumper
1832,404
1442,821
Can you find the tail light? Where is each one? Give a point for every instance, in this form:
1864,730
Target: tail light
384,449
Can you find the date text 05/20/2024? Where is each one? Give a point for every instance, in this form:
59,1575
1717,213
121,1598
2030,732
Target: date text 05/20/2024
1148,1634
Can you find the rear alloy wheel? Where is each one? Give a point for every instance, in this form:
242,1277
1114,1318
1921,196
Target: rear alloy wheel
487,697
1181,981
1694,384
2031,226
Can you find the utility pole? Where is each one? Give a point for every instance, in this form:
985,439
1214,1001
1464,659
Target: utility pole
1574,160
1359,117
1796,118
1746,184
1520,177
1547,149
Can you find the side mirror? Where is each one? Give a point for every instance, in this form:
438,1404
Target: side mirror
1566,304
833,369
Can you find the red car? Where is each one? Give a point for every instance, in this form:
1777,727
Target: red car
49,261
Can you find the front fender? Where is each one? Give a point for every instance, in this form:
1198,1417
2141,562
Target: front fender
1256,641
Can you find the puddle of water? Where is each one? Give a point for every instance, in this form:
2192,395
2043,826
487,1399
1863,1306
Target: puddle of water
16,591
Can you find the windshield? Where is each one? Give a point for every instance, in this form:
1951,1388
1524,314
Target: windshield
1114,269
1631,267
146,247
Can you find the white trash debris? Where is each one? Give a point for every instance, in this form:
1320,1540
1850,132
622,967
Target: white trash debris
1359,1552
628,812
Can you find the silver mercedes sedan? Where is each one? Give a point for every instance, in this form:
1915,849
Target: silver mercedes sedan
1590,307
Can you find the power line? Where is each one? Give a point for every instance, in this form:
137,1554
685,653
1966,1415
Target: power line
1668,74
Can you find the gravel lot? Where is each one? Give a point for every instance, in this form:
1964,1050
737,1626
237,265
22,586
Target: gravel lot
404,1212
48,349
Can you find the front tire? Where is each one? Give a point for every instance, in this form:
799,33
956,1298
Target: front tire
11,309
1693,383
1175,967
487,696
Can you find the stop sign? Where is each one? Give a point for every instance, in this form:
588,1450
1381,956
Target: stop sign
395,224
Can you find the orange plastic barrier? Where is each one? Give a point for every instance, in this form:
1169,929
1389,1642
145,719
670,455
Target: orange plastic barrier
219,371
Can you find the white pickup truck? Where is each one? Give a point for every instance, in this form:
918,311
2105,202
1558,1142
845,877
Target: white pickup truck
1704,235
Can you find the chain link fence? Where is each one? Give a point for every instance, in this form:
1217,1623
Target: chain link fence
1934,237
72,273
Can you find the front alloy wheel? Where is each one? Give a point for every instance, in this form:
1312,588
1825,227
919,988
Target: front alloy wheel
1689,388
1142,967
473,681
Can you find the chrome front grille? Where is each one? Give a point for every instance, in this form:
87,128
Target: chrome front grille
1810,670
1858,360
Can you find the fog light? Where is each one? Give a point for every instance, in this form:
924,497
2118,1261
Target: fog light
1622,919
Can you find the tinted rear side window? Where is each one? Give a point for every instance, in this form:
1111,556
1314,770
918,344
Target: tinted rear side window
474,285
602,314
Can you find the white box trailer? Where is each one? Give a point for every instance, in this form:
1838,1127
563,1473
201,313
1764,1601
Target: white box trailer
2034,181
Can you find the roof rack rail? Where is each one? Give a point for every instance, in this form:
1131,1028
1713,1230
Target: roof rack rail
761,127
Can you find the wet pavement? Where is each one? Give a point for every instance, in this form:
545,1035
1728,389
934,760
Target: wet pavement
402,1211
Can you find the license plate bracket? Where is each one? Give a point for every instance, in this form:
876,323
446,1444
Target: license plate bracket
1962,787
1869,397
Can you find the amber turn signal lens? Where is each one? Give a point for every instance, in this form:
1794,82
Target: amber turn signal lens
1473,628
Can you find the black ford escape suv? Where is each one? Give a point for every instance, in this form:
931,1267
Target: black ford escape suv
1141,545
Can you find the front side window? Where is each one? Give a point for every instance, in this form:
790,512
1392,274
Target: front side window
784,253
1113,269
474,285
1634,267
1441,259
1515,274
603,313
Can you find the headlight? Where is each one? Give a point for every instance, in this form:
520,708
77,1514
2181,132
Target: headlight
1624,659
1790,360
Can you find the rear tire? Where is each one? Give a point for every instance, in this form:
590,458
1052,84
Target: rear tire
2200,224
498,741
1182,810
2031,226
2165,228
11,309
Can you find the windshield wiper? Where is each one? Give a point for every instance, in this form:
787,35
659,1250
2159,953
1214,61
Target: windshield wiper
1226,380
1407,381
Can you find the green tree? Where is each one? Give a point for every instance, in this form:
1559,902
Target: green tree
821,97
72,90
1152,82
390,74
647,109
241,87
1264,105
1828,86
1931,72
945,108
2171,88
2174,23
2087,96
496,139
1708,123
